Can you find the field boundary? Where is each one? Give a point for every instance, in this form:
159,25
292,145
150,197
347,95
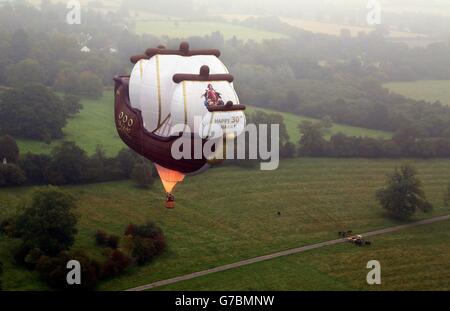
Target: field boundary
292,251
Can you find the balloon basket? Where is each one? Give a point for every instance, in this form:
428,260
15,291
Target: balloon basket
170,204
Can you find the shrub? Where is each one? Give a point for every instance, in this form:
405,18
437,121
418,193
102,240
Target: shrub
144,250
160,244
147,230
144,242
116,263
53,270
130,230
104,239
101,237
113,241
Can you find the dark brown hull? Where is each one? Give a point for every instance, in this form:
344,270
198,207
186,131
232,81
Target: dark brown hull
131,130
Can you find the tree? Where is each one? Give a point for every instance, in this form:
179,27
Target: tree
142,174
72,104
67,81
287,150
327,122
20,46
28,71
90,85
261,117
68,164
403,194
312,142
406,139
126,160
8,149
36,167
343,146
49,223
32,111
97,170
11,175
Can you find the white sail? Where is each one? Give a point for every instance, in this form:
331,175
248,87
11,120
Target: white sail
189,108
151,85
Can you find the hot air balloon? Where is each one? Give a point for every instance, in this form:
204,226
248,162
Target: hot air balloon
172,96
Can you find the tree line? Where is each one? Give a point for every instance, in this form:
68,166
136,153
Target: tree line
69,164
405,143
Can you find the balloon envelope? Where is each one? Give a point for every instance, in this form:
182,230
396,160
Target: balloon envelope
169,177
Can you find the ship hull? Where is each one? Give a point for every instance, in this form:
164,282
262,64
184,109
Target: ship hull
130,127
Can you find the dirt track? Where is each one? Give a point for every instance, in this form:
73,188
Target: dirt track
283,253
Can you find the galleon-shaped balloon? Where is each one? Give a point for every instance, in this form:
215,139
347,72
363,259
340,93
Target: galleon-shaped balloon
177,97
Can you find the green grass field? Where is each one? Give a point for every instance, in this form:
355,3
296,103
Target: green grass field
327,28
429,90
94,125
184,29
292,121
414,259
236,218
335,29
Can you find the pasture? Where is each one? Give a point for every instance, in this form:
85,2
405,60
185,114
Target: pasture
93,126
429,90
212,226
336,29
414,259
292,121
185,29
327,28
